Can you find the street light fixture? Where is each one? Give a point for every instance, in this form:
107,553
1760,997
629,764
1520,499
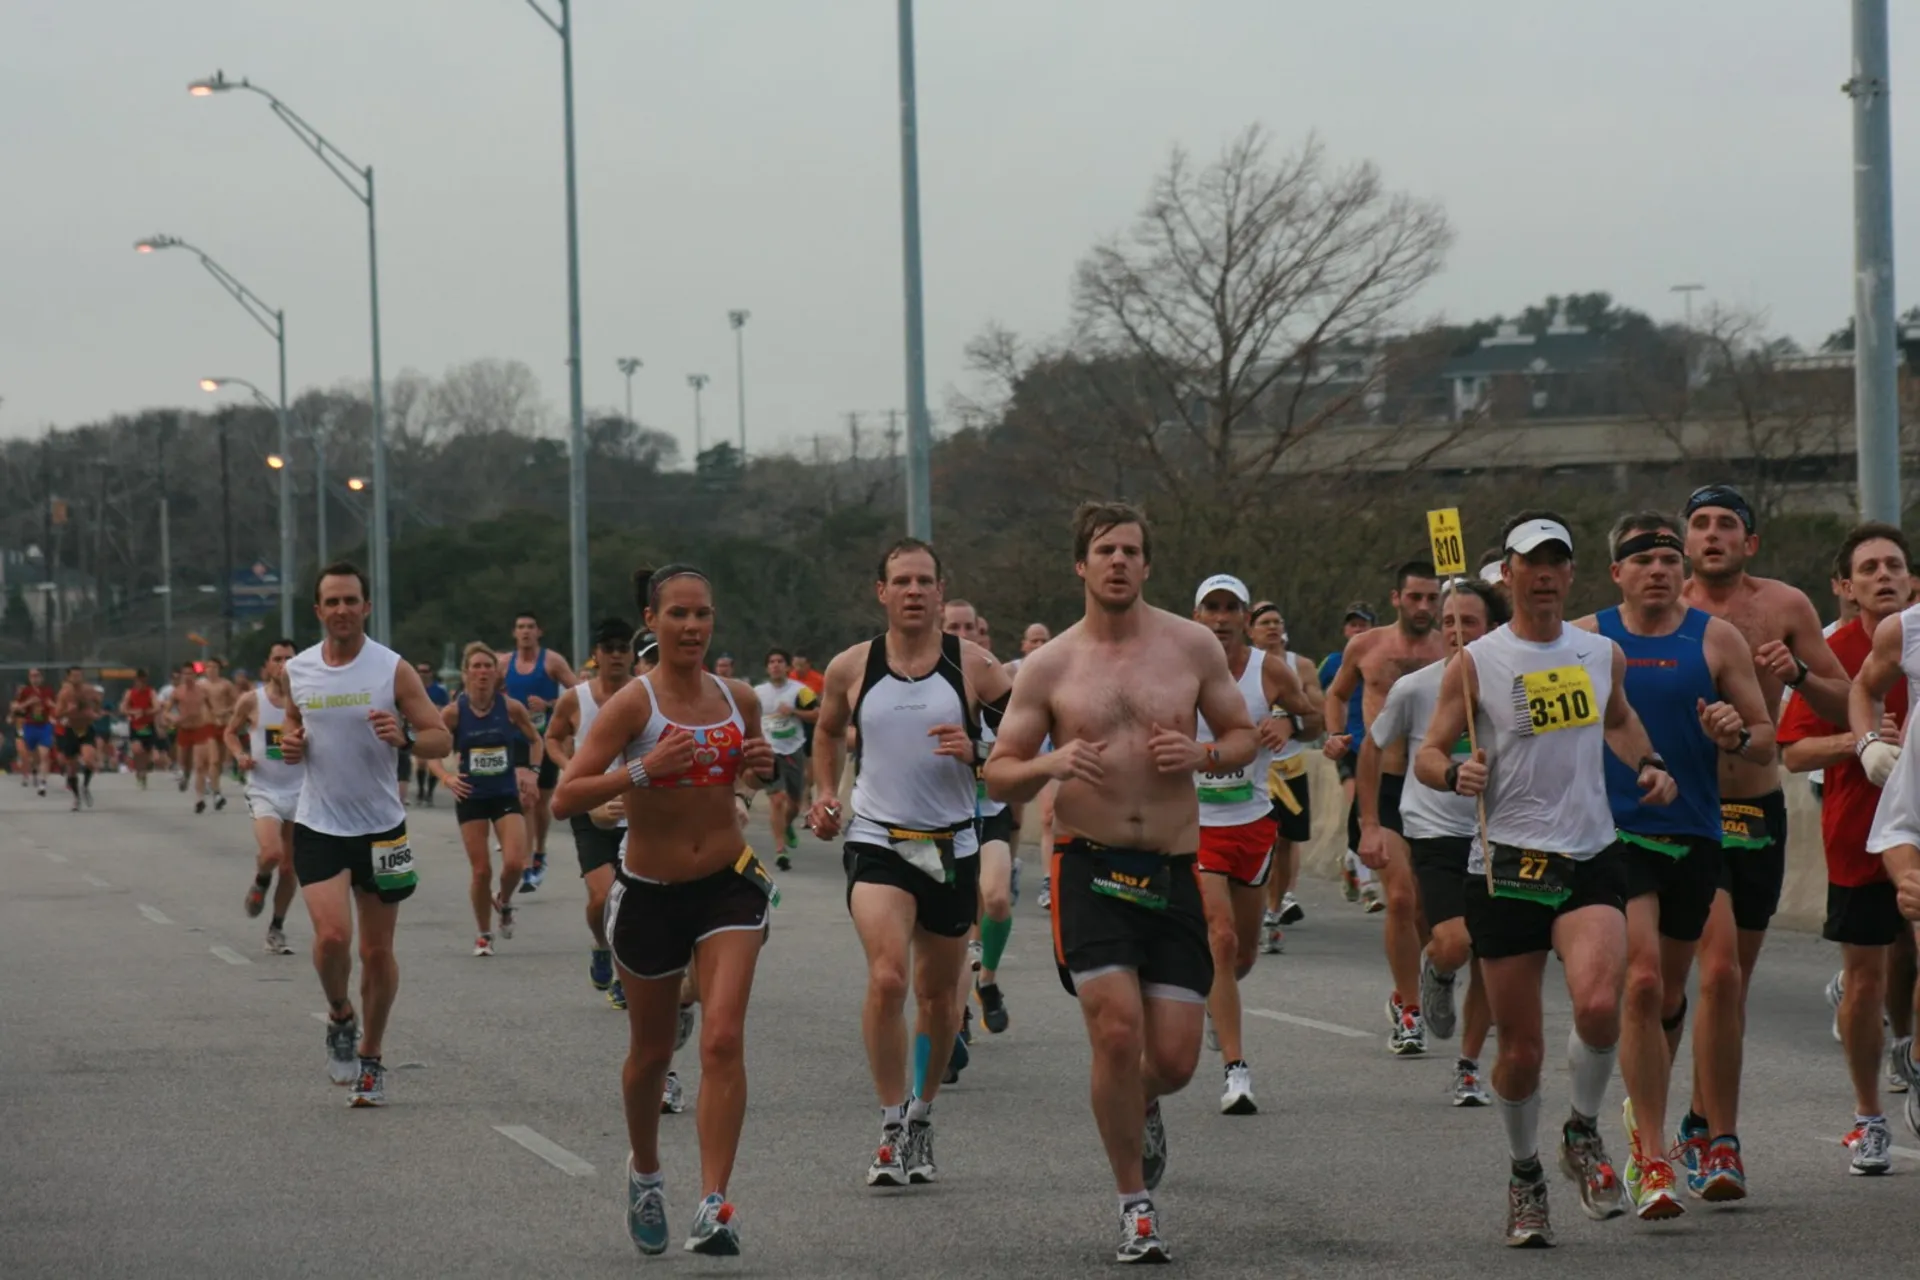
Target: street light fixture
356,483
277,462
698,381
357,179
629,365
274,321
738,319
577,461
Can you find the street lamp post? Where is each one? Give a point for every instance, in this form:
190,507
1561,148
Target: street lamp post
629,365
357,179
738,319
577,463
698,381
919,434
274,321
166,553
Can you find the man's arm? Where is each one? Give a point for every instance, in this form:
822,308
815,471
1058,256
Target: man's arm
1016,771
586,785
239,723
1435,757
989,679
1739,686
560,728
562,673
1627,738
830,730
1283,686
1333,709
1826,687
430,737
1234,742
1877,675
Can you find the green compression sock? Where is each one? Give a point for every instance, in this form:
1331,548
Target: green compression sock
993,941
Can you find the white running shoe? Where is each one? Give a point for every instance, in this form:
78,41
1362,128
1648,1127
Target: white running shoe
1237,1100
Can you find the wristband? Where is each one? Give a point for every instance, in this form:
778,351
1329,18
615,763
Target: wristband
1653,761
1213,759
1865,740
637,773
1800,676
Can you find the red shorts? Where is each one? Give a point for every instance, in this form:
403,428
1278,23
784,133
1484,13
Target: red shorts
200,733
1243,854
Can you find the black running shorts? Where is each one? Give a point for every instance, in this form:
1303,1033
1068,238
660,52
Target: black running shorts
997,826
486,808
1440,868
596,846
319,857
1753,877
946,910
1866,915
1296,827
653,927
1096,933
1686,884
1503,927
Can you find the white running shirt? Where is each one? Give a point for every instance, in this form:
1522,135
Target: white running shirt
1425,814
1235,797
784,733
351,785
270,773
1895,820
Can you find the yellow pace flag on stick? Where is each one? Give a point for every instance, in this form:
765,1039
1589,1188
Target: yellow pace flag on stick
1449,543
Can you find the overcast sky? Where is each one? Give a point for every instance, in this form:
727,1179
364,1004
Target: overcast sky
745,153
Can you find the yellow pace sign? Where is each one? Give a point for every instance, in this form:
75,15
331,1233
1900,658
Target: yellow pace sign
1449,543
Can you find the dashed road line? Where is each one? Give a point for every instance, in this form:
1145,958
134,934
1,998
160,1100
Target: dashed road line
154,914
95,881
1312,1024
552,1152
229,955
51,856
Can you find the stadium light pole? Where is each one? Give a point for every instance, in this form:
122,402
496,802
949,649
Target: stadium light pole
359,180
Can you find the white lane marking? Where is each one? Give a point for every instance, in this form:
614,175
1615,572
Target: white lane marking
95,881
1908,1152
229,955
318,1017
51,856
154,914
553,1153
1312,1024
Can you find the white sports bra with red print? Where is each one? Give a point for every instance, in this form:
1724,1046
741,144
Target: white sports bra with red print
716,747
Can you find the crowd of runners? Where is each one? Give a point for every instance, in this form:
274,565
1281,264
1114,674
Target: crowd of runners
1518,784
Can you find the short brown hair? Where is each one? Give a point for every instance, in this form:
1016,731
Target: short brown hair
473,647
343,569
1863,533
906,546
1638,522
1096,518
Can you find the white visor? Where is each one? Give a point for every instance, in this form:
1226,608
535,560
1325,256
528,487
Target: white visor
1534,533
1490,574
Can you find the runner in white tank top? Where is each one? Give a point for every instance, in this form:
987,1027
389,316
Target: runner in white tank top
354,704
1548,700
273,790
1237,829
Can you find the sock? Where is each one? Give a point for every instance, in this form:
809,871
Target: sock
279,922
922,1051
1859,1119
1521,1120
1527,1170
919,1110
655,1179
893,1117
1679,1017
1128,1199
1466,1064
1694,1122
1592,1068
993,942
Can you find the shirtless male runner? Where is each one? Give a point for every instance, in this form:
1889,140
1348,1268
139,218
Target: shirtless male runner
75,709
140,707
1375,659
1789,652
1120,693
188,708
221,696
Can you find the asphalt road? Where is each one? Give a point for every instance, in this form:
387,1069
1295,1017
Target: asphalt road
164,1109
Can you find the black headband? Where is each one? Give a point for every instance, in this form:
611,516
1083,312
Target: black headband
1720,495
1642,542
1261,609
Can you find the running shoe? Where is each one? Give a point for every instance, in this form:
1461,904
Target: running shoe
1394,1010
1045,899
536,872
1527,1224
483,945
1153,1147
1291,912
1273,940
1237,1100
1900,1069
1650,1182
343,1043
199,806
684,1032
219,802
1689,1152
1436,999
617,995
600,967
1872,1145
957,1060
646,1214
1140,1235
887,1169
918,1157
782,862
993,1007
1349,878
673,1099
370,1089
793,837
182,779
1409,1039
1724,1177
505,913
975,951
966,1025
277,944
1836,990
1468,1091
1583,1158
716,1229
86,793
1370,898
256,898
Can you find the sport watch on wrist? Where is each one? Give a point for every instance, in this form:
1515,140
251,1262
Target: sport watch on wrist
1654,761
1800,673
1740,749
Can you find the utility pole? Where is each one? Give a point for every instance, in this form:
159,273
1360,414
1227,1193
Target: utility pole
1876,405
853,434
629,365
166,555
698,381
919,433
738,319
226,547
51,605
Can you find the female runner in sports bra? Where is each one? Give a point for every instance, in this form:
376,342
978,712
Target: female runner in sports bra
489,794
686,888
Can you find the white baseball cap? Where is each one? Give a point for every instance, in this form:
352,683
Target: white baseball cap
1490,574
1534,533
1223,582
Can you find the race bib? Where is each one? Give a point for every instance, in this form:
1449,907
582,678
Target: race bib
789,732
272,736
487,762
1143,880
1232,787
1561,698
748,867
928,852
393,865
1529,875
1744,826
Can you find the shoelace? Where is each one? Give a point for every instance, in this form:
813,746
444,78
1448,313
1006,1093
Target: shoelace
1531,1212
1656,1175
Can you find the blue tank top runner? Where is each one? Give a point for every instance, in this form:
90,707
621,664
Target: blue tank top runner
1666,678
533,684
485,744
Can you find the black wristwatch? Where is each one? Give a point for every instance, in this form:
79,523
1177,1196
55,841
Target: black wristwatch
1746,736
1655,761
1453,776
1800,676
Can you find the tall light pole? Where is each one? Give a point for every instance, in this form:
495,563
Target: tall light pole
166,551
1876,404
577,460
738,319
358,180
919,434
1687,291
274,321
698,381
278,462
629,365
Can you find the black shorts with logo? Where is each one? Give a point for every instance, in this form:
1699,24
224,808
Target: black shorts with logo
1096,933
996,826
70,742
653,927
1296,827
1392,787
1753,877
947,910
596,846
1866,915
1440,868
1504,927
486,808
1686,884
319,857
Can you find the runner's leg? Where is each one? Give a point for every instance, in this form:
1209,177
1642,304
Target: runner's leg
939,965
727,963
379,970
653,1006
883,916
330,908
474,839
